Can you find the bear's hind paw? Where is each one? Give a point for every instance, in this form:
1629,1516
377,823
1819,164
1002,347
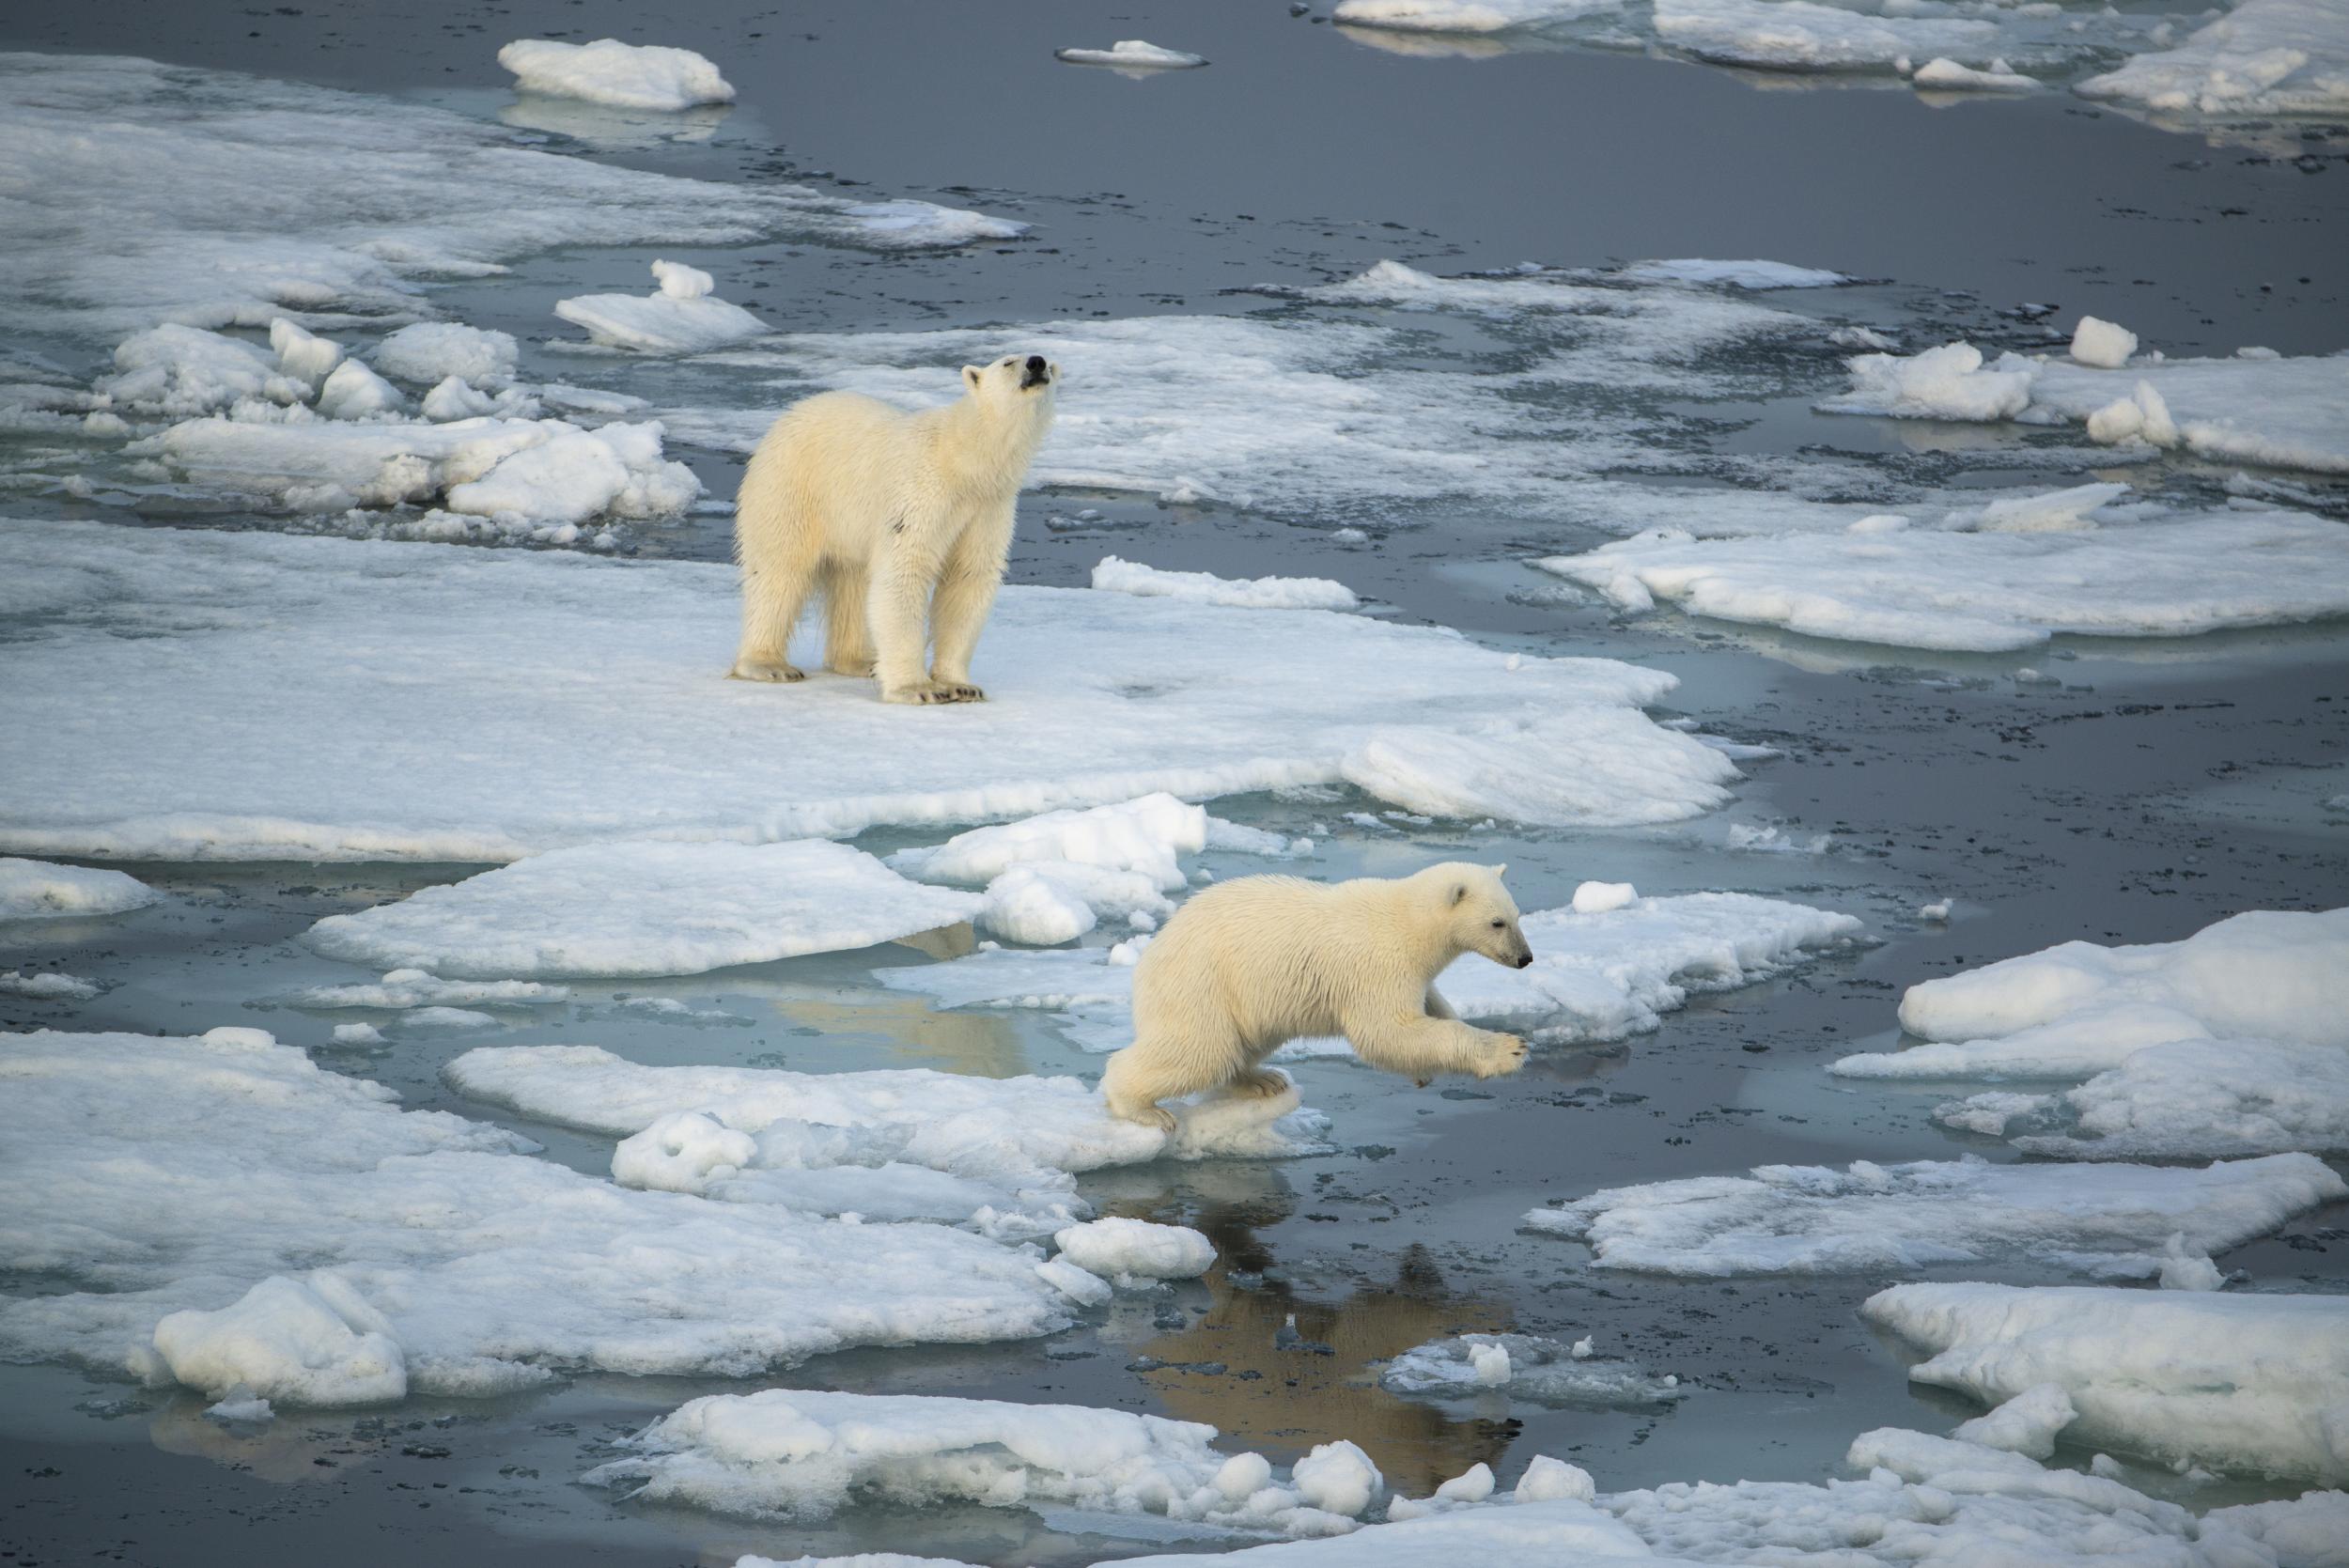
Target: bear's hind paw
765,669
1256,1084
931,693
1148,1116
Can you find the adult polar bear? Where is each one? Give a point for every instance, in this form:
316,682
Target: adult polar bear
902,521
1251,964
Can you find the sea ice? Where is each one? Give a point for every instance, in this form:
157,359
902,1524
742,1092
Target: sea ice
680,317
1946,76
41,889
181,210
2310,1530
46,986
2101,343
2109,1221
1143,837
1595,977
431,352
1797,34
543,469
804,1454
1014,1132
303,353
2251,1382
414,714
2027,1424
178,371
645,909
1947,382
1131,55
179,1174
2261,57
1528,1366
1733,274
1136,1248
353,391
413,988
1990,589
1256,593
2079,1008
2188,1100
1463,16
631,76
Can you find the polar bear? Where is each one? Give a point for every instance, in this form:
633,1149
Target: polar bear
1251,964
879,510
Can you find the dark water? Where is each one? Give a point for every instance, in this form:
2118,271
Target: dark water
2150,793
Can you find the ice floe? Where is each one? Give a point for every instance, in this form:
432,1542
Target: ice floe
1462,16
841,1142
46,986
2190,1099
2256,1383
180,1175
1946,76
680,317
2274,411
1525,1366
1132,54
41,889
1797,34
1988,589
629,75
804,1454
2078,1008
216,199
2109,1221
181,370
415,713
2261,57
540,470
1136,1250
1595,977
1733,274
405,988
427,352
629,909
1116,576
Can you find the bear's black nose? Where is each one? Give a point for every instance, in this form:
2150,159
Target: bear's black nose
1035,364
1525,960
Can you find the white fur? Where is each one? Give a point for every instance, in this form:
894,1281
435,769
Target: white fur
1251,964
879,510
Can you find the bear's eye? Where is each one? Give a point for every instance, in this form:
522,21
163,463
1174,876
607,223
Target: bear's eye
1500,926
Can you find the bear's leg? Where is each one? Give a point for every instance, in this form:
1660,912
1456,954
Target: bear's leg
1423,1045
772,594
1256,1083
897,610
1157,1065
848,646
966,592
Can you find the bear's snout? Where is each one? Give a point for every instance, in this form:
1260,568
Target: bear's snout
1525,958
1036,372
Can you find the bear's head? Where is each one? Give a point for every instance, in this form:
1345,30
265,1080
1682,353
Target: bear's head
1016,382
1480,915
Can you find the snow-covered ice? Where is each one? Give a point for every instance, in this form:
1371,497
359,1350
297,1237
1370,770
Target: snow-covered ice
2078,1008
2310,1530
1132,54
1136,1248
2251,1382
1526,1366
1116,576
2027,1424
1946,76
522,468
179,1174
179,370
404,989
1015,1133
1733,274
418,713
628,75
46,986
2277,411
1463,16
1143,837
1595,977
804,1454
1797,34
1989,589
680,317
637,908
42,890
2105,344
2109,1221
427,352
2189,1099
2261,57
216,199
352,391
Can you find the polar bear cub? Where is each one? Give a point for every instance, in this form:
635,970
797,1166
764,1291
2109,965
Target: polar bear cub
902,521
1251,964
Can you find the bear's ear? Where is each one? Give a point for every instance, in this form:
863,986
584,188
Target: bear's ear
1501,870
1459,890
971,377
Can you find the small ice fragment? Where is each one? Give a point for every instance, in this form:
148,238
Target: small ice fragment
1132,54
2187,1268
1338,1477
1489,1364
1593,898
1581,1351
630,76
1939,910
1473,1485
357,1034
2103,344
1545,1479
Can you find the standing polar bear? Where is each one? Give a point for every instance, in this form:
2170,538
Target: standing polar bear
879,510
1251,964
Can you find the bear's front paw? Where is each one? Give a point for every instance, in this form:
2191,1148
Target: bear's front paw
1502,1054
765,669
1147,1115
932,692
1258,1084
